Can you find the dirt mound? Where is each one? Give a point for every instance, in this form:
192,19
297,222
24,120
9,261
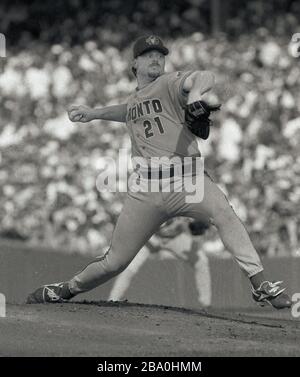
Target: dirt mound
124,329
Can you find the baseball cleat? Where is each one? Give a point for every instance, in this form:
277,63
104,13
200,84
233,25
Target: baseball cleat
52,293
273,294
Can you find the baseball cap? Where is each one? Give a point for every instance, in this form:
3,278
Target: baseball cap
148,43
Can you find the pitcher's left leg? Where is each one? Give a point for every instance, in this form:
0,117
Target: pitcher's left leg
216,209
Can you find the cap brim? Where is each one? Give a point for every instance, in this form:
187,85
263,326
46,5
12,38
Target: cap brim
161,49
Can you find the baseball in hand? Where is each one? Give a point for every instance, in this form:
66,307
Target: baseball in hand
77,117
79,113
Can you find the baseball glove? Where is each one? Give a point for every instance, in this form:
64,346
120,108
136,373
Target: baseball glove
197,118
198,228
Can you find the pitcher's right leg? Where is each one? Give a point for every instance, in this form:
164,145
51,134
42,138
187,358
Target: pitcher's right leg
137,222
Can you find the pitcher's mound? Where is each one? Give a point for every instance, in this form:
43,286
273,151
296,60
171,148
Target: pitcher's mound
123,329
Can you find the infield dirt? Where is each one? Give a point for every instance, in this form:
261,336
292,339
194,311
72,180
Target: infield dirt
122,329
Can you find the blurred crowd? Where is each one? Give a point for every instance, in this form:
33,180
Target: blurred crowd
49,166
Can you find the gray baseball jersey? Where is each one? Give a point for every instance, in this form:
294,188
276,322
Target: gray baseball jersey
155,119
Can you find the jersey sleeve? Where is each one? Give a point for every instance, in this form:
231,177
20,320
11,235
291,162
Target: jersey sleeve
175,86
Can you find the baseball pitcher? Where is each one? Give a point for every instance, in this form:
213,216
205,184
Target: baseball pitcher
164,116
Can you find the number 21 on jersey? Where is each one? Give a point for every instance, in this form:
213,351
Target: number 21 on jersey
149,128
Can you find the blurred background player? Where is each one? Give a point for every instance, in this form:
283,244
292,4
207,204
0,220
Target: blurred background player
176,239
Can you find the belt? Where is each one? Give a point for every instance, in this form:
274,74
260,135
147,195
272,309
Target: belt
165,172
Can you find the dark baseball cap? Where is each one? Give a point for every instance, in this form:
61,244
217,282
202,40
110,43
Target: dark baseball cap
148,43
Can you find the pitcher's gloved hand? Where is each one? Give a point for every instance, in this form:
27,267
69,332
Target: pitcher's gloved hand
197,118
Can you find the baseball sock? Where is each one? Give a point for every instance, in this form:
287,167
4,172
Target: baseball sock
65,292
257,279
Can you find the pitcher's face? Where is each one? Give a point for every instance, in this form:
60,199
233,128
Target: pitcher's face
151,64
